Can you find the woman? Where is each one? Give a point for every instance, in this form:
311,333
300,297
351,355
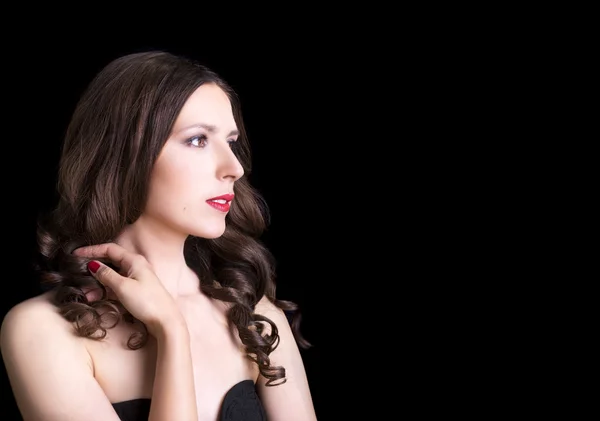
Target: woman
162,302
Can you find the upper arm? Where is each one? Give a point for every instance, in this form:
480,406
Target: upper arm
291,400
49,368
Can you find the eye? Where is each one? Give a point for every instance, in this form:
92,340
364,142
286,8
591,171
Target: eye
232,143
197,141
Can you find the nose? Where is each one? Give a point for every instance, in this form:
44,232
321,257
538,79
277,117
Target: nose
229,165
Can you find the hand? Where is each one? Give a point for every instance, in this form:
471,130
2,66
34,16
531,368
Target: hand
138,289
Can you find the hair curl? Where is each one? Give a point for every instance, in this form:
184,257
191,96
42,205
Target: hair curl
116,133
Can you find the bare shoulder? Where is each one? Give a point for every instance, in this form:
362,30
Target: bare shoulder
36,324
49,368
42,302
267,308
290,401
33,316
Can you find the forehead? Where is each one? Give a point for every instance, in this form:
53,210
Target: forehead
209,104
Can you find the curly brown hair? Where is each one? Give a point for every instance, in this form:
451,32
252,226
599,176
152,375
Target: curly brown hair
116,133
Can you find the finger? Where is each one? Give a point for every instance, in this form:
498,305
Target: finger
111,251
107,276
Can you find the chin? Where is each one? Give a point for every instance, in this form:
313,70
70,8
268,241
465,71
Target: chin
209,232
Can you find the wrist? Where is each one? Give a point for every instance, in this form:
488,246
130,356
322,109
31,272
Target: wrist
173,328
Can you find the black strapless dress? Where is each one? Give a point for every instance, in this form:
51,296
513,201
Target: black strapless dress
240,403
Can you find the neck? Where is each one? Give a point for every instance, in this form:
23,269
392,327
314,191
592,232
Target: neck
163,248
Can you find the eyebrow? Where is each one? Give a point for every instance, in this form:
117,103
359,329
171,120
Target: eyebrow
209,128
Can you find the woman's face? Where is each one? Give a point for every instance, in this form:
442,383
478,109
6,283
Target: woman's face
196,165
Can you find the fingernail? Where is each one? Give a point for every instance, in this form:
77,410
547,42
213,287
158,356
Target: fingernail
93,266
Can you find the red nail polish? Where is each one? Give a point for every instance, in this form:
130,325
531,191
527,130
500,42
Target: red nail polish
93,266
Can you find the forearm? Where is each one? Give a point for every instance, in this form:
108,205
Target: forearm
173,395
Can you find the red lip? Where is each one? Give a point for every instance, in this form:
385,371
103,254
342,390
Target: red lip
228,197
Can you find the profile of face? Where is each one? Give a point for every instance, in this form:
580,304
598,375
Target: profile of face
192,180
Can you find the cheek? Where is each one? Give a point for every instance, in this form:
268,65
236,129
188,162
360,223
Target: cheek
181,178
178,187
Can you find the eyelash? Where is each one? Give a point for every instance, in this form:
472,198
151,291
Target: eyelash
203,138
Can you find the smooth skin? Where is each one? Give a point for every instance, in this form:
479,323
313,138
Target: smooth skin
191,359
